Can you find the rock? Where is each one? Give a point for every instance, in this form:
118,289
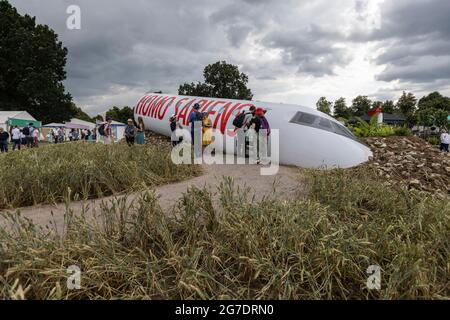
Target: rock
447,169
414,182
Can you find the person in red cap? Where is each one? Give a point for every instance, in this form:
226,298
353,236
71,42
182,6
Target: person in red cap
259,122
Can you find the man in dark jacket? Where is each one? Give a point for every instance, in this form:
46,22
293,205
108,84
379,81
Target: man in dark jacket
4,140
130,132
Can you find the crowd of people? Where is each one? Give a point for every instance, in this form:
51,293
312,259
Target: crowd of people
248,125
27,137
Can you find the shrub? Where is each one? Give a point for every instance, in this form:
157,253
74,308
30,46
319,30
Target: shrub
433,140
402,131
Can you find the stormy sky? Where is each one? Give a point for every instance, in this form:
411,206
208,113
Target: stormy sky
293,51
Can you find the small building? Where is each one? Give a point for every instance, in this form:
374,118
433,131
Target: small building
22,119
387,118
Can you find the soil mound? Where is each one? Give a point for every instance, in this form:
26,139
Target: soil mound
410,161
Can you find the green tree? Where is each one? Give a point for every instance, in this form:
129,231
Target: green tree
434,100
376,104
432,117
388,106
120,114
406,105
323,105
341,110
222,80
361,105
32,62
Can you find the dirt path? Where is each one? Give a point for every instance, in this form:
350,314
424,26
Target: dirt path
287,184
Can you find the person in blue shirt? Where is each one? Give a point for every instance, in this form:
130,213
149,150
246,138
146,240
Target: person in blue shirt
195,120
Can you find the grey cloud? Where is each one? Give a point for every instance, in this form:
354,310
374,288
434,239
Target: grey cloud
415,37
310,50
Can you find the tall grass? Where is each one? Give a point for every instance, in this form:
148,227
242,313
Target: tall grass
83,170
314,248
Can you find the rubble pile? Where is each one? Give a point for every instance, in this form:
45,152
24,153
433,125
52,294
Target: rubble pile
156,139
410,161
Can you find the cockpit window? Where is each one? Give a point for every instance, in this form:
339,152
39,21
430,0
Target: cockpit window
322,123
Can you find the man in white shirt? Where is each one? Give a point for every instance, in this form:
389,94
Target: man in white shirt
445,141
16,135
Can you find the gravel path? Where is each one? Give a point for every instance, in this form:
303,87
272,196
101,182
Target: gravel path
287,184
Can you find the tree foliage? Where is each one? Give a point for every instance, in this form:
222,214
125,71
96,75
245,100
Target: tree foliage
32,68
361,105
222,80
323,105
388,106
120,114
434,100
406,105
340,109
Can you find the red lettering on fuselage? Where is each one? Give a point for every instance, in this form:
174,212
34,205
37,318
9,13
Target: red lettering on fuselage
147,105
168,103
179,103
139,105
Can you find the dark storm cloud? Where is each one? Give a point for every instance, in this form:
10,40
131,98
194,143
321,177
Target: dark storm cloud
126,48
310,50
141,45
415,37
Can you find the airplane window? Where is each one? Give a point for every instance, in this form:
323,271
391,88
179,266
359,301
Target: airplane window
304,118
325,124
317,122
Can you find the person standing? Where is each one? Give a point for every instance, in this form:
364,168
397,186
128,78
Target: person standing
175,137
28,132
445,141
140,136
256,124
61,135
4,139
196,122
108,138
16,138
241,124
36,137
130,132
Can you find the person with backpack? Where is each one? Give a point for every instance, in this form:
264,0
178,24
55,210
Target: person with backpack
241,124
28,132
4,140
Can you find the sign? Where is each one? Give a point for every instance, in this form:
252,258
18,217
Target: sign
24,123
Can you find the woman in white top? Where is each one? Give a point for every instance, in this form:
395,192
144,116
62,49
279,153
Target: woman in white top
36,137
445,141
16,138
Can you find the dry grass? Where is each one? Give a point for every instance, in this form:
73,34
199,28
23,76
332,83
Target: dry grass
314,248
84,170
